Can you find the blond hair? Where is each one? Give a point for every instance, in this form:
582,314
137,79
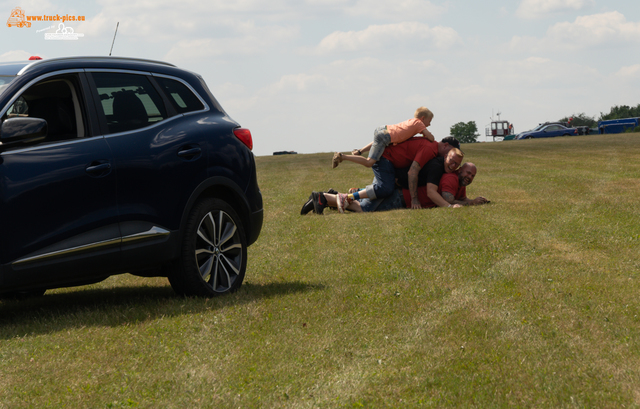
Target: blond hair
423,112
457,151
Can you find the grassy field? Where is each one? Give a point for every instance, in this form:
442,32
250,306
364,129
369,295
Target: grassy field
531,301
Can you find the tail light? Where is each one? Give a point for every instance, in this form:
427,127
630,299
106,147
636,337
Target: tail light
245,136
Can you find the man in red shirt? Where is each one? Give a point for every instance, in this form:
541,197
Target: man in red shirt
452,188
413,153
428,180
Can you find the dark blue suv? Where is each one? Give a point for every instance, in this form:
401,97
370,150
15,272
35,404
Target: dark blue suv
113,165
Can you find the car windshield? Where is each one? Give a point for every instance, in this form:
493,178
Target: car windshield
537,128
5,80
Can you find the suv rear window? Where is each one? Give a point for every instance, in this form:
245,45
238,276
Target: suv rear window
129,101
182,98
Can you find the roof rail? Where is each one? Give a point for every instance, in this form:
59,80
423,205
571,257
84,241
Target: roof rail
95,58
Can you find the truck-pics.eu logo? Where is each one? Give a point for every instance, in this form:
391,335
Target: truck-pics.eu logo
20,19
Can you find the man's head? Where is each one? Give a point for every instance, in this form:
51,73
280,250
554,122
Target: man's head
453,160
445,145
467,173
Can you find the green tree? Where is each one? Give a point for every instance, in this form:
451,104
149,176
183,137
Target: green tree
580,120
620,112
465,132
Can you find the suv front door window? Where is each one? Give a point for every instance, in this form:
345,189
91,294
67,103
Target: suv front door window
55,100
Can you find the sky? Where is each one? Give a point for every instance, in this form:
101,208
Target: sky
320,75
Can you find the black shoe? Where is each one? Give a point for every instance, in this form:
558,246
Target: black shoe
307,207
319,202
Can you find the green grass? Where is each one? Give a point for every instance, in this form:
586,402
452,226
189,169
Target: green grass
531,301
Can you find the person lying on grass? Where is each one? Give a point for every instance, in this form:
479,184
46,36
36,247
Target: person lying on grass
386,135
452,188
430,174
412,154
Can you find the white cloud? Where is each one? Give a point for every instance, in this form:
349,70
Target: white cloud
598,30
389,35
16,55
246,40
535,73
30,7
532,9
335,105
164,20
629,73
595,30
396,10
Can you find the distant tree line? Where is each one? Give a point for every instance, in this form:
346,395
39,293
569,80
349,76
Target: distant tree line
467,132
616,112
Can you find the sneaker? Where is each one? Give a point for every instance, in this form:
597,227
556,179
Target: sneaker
343,202
319,202
337,158
307,207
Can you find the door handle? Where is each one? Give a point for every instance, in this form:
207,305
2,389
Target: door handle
98,168
190,152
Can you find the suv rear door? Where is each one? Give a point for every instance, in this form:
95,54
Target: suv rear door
158,162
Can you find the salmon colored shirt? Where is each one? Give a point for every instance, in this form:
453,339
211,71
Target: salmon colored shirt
405,130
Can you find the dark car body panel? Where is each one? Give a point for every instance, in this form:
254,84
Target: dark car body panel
78,210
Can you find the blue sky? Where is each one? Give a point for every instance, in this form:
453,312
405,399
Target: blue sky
321,75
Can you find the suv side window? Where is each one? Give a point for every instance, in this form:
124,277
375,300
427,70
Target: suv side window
181,97
129,101
56,100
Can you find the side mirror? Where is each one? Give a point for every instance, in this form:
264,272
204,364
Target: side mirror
15,131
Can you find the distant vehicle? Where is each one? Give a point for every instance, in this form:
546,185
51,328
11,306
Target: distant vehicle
548,130
503,130
17,19
583,130
617,125
285,153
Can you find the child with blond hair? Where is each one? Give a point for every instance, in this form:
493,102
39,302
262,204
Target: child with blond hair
390,134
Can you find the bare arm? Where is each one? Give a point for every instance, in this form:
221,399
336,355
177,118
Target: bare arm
477,201
428,135
363,150
432,192
414,170
464,201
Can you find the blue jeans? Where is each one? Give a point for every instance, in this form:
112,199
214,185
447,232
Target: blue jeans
381,139
395,201
384,180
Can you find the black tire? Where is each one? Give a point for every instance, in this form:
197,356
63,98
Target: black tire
214,251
